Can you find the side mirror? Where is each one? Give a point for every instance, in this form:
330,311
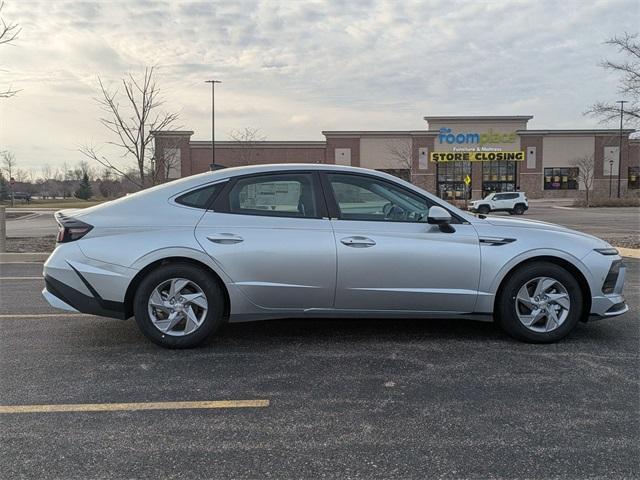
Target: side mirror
439,216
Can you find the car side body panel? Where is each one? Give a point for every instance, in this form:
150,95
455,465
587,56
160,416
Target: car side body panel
296,278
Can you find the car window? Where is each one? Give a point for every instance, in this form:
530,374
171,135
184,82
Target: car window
365,198
280,195
200,197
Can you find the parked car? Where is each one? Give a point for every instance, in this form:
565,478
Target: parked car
515,203
295,240
22,196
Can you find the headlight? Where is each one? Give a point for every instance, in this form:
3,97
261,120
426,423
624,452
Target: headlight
607,251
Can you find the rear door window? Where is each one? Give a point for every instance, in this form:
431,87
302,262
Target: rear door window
277,195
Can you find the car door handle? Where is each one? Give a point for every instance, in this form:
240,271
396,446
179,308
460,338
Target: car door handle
358,242
225,238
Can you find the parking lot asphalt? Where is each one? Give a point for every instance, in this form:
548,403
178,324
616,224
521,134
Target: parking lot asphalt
346,398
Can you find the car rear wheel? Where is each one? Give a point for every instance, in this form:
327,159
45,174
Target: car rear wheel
179,306
540,303
518,209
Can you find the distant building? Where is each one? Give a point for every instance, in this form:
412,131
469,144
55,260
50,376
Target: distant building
493,153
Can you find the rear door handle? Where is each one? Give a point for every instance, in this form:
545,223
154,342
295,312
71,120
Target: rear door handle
358,242
225,238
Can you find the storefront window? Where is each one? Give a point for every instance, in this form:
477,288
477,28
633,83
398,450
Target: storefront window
634,178
561,178
451,177
498,177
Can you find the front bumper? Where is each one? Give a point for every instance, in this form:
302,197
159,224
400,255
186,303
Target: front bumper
610,304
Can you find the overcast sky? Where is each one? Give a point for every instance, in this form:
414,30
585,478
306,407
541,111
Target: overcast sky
294,68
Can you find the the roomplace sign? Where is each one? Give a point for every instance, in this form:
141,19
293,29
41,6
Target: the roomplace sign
476,156
446,135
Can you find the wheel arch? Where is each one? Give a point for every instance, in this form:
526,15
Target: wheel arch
135,281
561,262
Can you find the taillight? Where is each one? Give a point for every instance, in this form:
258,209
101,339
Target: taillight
70,229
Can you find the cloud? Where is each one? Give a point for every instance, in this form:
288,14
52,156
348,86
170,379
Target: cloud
356,64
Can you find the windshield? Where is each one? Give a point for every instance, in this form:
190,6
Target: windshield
489,197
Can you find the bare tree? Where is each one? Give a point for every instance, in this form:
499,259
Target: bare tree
130,116
402,155
586,172
247,138
8,33
9,163
629,45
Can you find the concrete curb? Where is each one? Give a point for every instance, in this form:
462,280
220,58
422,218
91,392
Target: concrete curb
31,257
629,252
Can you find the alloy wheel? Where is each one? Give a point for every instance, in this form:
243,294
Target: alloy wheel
542,304
177,307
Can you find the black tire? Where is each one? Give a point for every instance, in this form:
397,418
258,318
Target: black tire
213,320
505,309
483,210
518,209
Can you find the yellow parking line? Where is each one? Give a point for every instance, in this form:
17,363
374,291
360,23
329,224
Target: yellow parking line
115,407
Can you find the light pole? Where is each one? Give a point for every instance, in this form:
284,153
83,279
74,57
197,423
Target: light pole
610,176
213,122
621,102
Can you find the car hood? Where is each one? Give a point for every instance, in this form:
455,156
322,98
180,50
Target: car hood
538,225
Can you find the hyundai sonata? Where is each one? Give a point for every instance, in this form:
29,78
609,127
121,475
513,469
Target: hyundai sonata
295,240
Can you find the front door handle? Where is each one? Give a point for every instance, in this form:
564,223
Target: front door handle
358,242
225,238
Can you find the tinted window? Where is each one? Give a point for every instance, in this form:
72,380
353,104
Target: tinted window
284,195
201,197
366,198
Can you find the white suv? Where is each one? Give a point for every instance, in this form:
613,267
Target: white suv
512,202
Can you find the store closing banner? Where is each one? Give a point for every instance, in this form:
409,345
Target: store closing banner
440,157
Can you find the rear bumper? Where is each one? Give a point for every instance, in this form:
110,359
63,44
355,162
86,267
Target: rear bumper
67,298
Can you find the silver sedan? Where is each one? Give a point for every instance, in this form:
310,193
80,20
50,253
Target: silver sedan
295,240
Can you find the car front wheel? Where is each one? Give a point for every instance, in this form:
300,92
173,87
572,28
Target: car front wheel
540,303
483,209
179,306
518,209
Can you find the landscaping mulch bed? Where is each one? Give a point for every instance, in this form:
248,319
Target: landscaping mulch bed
31,244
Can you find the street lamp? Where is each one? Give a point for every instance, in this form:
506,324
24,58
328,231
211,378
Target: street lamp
213,123
621,102
610,175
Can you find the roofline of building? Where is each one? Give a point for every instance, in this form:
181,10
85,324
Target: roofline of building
171,133
464,118
585,131
380,133
260,144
